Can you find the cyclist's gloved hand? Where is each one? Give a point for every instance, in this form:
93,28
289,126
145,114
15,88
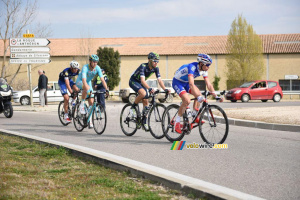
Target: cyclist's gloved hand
72,95
200,99
220,99
167,91
151,90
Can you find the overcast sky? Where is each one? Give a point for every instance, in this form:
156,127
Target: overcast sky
161,18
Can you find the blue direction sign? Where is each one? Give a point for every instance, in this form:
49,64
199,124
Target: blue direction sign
23,42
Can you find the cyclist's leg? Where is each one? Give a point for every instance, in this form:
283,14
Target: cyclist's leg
64,93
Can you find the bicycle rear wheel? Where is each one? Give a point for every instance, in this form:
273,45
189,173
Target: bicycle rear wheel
128,122
214,125
99,119
168,123
78,119
61,113
155,120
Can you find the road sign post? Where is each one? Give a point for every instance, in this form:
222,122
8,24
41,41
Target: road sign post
29,50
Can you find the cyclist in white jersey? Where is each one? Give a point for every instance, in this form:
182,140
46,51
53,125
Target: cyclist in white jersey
84,80
183,83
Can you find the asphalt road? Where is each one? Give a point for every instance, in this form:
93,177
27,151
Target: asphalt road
259,162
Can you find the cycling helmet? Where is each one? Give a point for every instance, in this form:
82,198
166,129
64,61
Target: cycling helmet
153,56
94,58
205,59
74,64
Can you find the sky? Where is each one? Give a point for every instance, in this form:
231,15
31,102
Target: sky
163,18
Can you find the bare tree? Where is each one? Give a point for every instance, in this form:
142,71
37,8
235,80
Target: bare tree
15,17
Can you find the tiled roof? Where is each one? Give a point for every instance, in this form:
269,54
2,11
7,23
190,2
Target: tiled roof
188,45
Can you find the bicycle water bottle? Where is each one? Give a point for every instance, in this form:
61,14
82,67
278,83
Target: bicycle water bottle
188,112
89,109
146,110
73,103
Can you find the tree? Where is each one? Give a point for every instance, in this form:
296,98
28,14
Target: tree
216,82
244,61
109,60
15,17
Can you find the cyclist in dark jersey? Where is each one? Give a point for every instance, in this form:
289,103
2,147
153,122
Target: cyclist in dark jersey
138,83
66,83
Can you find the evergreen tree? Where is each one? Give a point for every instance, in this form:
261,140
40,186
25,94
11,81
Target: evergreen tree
109,60
244,61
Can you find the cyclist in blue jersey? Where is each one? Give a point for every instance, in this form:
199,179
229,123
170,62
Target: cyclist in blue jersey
138,83
183,83
84,81
67,84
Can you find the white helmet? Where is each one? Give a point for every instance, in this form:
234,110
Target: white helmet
74,64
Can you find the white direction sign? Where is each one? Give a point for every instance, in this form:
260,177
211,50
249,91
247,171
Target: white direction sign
29,55
22,42
29,49
30,61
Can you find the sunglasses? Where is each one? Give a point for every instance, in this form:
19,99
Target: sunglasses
157,61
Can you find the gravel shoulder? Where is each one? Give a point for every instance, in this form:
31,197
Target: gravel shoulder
279,115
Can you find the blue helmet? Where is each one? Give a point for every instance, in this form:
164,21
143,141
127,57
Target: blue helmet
94,58
205,59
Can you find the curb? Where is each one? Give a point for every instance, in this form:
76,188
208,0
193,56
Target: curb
263,125
168,178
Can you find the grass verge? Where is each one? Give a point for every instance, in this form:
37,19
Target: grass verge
29,170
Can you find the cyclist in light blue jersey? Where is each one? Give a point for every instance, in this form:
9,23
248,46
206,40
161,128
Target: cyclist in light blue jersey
84,80
183,83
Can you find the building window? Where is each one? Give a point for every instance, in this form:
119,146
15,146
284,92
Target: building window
290,85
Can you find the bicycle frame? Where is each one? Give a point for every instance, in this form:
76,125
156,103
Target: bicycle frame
88,116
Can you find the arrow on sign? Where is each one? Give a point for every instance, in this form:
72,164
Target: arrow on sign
29,49
21,42
29,61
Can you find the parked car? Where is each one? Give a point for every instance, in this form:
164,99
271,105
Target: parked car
53,94
263,90
129,95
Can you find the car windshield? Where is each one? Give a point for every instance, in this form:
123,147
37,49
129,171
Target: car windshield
245,85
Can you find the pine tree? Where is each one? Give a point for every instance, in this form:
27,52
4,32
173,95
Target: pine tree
244,61
109,60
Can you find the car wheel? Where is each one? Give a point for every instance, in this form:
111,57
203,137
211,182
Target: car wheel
125,100
132,98
276,98
25,101
265,100
233,101
245,98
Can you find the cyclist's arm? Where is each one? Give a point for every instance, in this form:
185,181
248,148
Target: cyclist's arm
67,81
210,87
194,91
161,83
85,85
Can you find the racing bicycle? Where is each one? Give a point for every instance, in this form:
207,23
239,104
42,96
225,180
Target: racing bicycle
130,122
95,113
211,120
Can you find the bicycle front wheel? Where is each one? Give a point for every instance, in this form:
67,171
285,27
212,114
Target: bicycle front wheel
155,121
78,119
128,121
168,123
61,113
99,119
214,125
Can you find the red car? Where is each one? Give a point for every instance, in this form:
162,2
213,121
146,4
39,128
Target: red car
256,90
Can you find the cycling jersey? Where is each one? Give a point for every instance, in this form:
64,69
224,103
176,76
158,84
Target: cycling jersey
189,70
88,75
67,74
144,71
180,81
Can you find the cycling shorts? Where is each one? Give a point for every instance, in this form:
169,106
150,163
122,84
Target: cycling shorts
181,87
63,86
79,85
136,86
